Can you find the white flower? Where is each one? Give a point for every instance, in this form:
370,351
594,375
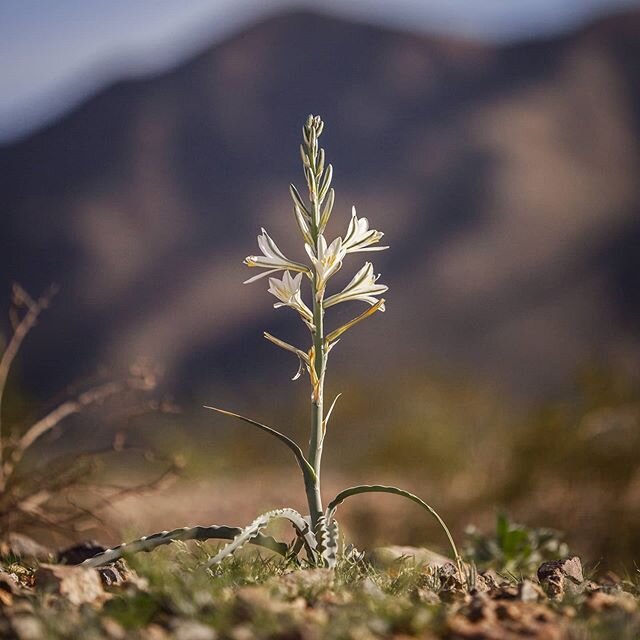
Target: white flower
272,259
327,261
359,237
287,291
362,287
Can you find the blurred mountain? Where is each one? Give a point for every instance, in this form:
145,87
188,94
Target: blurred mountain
505,178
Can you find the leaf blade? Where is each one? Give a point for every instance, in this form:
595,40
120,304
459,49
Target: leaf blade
251,532
297,451
148,543
380,488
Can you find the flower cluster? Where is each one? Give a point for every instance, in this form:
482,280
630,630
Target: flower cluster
325,258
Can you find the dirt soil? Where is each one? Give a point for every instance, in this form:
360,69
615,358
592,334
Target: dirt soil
393,593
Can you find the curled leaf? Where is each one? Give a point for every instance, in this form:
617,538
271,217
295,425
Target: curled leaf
380,488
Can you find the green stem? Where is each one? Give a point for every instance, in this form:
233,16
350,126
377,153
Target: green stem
319,361
317,408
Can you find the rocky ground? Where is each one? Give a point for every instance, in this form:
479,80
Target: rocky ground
395,592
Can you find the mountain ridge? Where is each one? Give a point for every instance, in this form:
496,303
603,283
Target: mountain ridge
143,201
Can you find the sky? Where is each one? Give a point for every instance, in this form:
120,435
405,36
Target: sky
55,53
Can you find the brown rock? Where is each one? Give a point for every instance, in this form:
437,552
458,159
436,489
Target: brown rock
481,609
242,632
9,587
255,601
481,584
153,632
21,546
385,557
505,592
28,627
192,630
307,582
529,592
492,578
9,583
487,619
113,629
559,577
598,601
426,596
79,585
6,599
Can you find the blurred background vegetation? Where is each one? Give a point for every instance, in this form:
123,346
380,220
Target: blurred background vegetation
498,151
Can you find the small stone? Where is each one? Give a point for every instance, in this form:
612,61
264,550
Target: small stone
449,579
371,589
561,577
250,600
24,547
10,584
481,608
308,582
153,632
507,611
27,627
481,584
241,632
529,592
257,600
6,598
21,606
492,578
315,617
192,630
447,570
385,557
573,569
506,592
113,629
598,601
426,596
79,585
590,585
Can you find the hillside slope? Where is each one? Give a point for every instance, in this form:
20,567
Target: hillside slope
506,179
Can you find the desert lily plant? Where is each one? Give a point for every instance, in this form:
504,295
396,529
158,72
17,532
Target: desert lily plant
317,532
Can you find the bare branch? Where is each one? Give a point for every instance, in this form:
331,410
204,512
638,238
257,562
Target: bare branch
53,418
48,422
21,328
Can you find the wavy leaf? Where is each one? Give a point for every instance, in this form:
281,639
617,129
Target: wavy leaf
326,534
379,488
248,534
148,543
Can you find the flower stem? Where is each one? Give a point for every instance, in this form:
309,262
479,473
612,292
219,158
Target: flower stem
317,406
318,364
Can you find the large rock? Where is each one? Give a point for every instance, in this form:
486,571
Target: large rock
79,585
